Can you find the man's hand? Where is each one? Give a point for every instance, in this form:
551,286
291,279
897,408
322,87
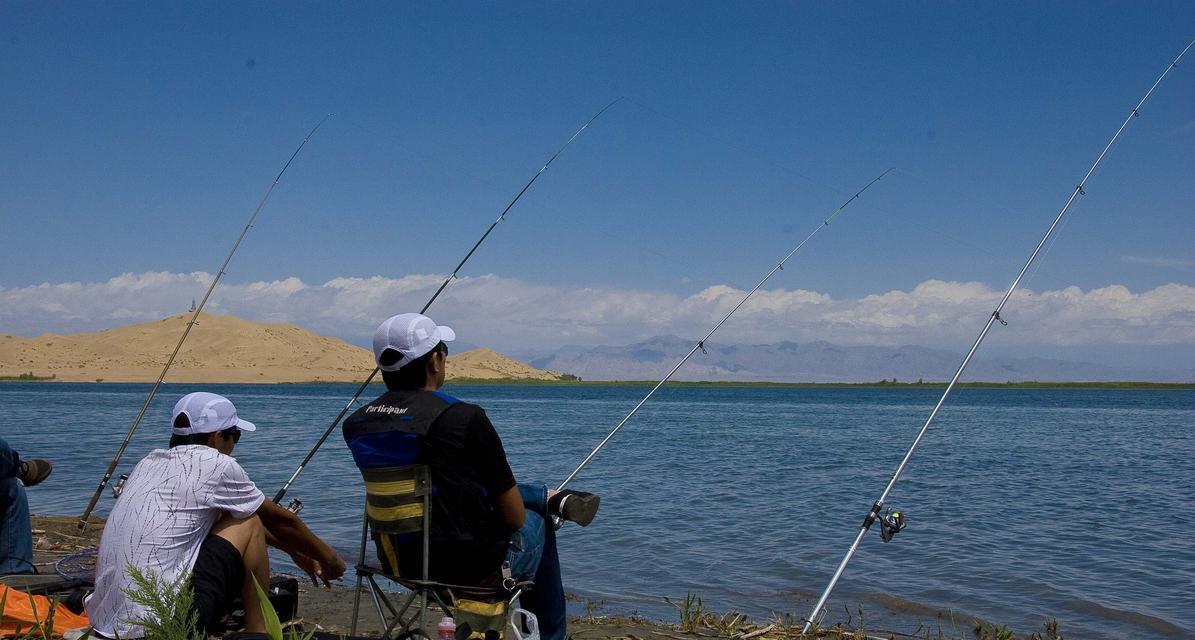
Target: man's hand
331,570
333,567
286,531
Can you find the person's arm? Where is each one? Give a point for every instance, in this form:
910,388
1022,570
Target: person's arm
284,530
509,505
484,448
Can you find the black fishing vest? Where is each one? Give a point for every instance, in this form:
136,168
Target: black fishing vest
398,411
424,427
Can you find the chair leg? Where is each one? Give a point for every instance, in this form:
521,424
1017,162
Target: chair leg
407,602
427,510
423,610
356,606
396,615
440,601
360,562
378,599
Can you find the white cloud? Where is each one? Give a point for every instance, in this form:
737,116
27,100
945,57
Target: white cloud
513,314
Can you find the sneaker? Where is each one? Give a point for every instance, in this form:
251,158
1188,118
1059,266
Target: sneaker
575,506
34,471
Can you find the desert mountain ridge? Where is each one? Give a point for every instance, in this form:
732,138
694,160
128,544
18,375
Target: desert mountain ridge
221,349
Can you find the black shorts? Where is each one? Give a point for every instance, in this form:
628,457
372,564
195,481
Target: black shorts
216,580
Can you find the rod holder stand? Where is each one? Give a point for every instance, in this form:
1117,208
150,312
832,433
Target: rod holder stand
819,616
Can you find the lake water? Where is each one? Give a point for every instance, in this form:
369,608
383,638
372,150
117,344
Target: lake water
1022,504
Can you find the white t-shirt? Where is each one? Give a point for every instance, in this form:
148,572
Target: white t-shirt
168,505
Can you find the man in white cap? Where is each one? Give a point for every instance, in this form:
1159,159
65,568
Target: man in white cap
191,509
481,518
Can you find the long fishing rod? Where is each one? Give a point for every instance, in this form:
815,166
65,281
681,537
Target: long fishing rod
452,276
95,497
701,343
890,524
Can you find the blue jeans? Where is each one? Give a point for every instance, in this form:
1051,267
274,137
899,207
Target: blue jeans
16,533
532,555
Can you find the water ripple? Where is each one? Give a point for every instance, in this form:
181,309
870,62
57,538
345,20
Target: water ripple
1023,504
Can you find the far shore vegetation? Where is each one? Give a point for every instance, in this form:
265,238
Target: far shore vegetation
573,381
28,377
881,383
568,380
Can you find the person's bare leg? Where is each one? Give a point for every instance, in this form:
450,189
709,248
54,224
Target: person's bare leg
249,537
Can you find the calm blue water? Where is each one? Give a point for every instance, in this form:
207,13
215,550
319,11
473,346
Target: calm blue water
1023,504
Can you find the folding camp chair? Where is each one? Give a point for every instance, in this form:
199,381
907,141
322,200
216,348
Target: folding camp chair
398,502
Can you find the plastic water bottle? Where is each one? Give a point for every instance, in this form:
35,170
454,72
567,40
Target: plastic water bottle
523,619
446,630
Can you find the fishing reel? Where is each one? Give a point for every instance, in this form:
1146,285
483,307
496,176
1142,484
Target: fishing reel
891,524
119,485
294,506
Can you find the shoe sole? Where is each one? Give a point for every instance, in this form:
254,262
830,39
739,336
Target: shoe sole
38,470
581,509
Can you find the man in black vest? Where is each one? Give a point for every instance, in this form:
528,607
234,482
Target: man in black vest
481,518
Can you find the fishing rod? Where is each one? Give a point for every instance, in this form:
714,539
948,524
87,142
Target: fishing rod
891,523
95,497
701,343
452,276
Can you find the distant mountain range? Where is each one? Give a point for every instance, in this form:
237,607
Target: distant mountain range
228,349
823,362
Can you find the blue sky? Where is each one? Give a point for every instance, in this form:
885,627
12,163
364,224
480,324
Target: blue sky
137,138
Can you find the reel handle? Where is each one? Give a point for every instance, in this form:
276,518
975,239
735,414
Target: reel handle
891,523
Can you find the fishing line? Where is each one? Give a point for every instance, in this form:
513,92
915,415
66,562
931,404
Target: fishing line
1046,254
452,276
392,141
701,343
95,497
696,272
882,220
891,523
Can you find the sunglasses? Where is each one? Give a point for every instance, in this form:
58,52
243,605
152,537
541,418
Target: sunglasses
234,433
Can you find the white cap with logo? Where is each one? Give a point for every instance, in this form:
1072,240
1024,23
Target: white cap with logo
207,413
412,335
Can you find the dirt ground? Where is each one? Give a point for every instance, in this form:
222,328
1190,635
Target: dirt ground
321,609
330,610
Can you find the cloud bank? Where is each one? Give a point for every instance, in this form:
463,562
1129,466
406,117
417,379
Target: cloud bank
516,315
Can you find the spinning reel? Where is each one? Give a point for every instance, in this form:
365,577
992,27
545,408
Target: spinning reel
891,522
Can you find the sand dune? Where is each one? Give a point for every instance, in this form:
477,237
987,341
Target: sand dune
220,349
491,365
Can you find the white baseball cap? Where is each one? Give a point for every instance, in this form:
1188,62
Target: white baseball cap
412,335
207,413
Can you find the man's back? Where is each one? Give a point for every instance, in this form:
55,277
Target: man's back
166,508
468,467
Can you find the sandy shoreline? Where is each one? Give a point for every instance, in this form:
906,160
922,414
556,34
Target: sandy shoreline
321,609
327,609
330,609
